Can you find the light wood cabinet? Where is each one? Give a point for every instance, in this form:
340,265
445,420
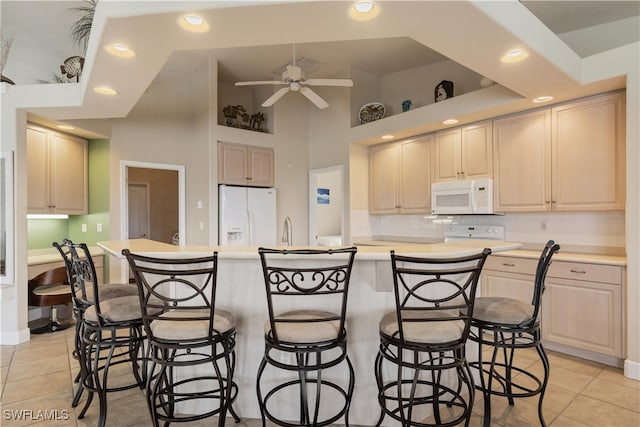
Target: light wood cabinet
57,172
567,158
582,306
464,153
240,164
400,176
588,154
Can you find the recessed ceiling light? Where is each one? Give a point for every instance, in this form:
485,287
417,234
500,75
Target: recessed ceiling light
540,99
364,10
121,50
105,90
450,121
514,55
193,23
387,136
65,127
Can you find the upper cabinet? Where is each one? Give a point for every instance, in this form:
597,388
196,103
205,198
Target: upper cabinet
567,158
588,154
464,153
245,165
57,172
400,176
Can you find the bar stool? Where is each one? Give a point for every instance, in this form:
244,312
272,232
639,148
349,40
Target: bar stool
111,331
421,368
506,325
80,303
306,335
192,343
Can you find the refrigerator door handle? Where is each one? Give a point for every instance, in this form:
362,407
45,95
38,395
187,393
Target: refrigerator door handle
249,229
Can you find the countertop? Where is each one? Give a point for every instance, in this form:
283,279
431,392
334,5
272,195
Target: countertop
372,253
589,258
49,255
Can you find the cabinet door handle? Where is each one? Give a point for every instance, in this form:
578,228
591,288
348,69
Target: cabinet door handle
553,201
547,201
577,271
507,264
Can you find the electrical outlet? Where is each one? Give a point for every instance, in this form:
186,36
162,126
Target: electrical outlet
285,357
84,228
99,228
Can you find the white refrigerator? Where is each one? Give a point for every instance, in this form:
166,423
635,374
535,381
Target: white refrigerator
246,216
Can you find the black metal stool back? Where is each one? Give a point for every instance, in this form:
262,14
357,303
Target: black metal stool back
185,329
424,337
107,323
307,302
508,324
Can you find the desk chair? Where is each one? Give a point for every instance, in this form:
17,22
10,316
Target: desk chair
50,289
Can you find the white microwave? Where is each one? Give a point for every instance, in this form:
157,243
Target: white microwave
474,196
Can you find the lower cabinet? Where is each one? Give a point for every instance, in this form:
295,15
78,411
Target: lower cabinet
582,307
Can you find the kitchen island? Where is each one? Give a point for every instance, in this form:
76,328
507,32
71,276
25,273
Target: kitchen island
241,291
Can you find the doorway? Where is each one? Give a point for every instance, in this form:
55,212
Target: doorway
326,206
153,204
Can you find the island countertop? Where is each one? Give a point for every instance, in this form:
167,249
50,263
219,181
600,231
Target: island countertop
371,253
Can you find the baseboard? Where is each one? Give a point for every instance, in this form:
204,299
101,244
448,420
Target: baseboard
13,338
632,370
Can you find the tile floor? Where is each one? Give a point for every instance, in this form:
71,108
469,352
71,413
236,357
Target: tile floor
38,375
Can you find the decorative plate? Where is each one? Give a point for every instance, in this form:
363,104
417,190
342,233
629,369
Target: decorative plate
371,112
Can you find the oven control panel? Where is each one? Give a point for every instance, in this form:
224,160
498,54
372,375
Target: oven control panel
467,232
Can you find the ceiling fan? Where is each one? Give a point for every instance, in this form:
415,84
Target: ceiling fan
295,81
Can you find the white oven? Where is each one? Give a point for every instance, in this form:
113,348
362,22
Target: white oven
458,232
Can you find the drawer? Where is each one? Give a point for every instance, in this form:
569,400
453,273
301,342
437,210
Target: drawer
587,272
511,264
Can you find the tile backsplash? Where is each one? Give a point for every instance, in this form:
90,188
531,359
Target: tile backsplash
605,229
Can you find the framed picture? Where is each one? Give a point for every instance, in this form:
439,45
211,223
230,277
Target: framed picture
443,90
323,196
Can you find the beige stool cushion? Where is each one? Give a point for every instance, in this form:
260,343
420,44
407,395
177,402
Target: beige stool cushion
305,332
112,290
503,311
59,289
177,330
119,309
433,332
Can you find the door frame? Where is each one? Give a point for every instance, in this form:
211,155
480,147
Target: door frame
124,189
313,179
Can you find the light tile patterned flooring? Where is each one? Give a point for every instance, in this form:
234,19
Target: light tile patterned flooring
38,375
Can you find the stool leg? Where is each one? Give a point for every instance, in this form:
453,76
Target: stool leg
545,364
263,364
302,375
378,375
508,365
352,377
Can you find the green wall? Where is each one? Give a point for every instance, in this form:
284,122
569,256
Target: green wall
42,232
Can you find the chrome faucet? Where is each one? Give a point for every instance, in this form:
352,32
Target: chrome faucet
287,233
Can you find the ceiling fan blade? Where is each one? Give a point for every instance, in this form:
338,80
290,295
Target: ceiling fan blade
314,97
294,73
273,98
261,82
329,82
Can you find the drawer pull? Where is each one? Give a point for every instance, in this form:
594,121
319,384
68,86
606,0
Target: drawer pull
577,271
506,264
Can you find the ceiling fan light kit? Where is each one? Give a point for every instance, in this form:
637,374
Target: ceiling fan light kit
294,80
